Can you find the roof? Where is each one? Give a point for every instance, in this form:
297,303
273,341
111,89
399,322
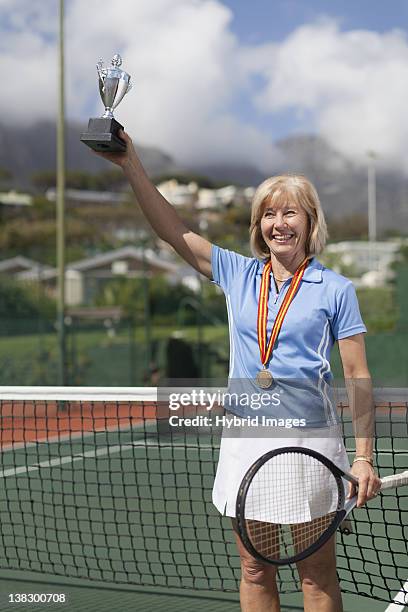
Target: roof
130,252
27,269
88,195
22,262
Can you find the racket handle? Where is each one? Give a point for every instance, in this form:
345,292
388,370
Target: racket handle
395,480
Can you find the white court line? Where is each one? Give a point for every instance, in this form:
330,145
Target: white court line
400,598
77,435
100,452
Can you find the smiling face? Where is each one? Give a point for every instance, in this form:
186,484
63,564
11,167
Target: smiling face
287,221
285,227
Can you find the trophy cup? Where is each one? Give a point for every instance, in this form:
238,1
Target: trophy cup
114,83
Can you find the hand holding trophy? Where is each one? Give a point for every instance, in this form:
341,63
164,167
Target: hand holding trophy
114,83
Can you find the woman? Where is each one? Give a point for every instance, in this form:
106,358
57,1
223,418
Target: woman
287,231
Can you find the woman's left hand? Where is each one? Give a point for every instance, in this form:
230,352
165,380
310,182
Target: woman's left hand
368,482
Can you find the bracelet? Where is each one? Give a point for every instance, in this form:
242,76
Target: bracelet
363,458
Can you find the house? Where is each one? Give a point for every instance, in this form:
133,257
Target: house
179,194
85,278
371,261
202,198
224,196
11,203
12,198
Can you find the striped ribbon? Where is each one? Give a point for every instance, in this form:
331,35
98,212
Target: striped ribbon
266,350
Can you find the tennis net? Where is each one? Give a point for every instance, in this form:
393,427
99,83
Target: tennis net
96,485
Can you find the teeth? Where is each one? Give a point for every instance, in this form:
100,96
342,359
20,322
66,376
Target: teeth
283,238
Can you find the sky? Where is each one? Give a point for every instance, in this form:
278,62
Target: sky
220,80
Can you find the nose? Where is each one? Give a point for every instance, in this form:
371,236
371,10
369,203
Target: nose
280,222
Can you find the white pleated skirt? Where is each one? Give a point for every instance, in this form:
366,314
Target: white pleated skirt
239,452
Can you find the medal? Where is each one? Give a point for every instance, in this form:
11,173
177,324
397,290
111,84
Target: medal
264,378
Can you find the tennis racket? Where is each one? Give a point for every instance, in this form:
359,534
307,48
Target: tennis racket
280,497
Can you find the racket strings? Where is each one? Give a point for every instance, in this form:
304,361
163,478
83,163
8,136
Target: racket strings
277,541
291,501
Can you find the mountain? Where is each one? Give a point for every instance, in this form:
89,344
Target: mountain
237,174
342,186
27,150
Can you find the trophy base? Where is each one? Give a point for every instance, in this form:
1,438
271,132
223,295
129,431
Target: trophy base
102,135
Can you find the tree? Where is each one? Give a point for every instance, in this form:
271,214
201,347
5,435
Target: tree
378,308
164,297
44,180
36,238
22,305
350,227
110,180
403,254
5,175
335,262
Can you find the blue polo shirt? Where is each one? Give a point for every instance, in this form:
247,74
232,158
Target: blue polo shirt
325,309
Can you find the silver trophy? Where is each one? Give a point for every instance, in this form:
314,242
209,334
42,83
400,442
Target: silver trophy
114,83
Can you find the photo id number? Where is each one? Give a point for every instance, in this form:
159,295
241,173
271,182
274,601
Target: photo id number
15,598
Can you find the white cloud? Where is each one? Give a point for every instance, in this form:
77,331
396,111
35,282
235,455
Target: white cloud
28,62
184,64
352,86
189,71
186,72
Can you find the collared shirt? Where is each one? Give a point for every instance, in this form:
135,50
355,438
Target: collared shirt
325,309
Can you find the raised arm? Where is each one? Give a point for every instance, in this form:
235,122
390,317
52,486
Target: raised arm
163,218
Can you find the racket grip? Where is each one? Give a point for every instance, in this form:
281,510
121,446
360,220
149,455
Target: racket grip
395,480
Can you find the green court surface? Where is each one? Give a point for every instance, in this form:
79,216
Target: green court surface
131,512
148,502
101,599
83,598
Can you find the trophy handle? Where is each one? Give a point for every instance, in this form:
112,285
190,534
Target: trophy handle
101,72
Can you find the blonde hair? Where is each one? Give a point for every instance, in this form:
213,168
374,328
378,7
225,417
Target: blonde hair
279,189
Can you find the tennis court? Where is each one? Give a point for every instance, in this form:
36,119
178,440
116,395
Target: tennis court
97,489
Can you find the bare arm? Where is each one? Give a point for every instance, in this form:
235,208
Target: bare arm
361,401
163,218
359,390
